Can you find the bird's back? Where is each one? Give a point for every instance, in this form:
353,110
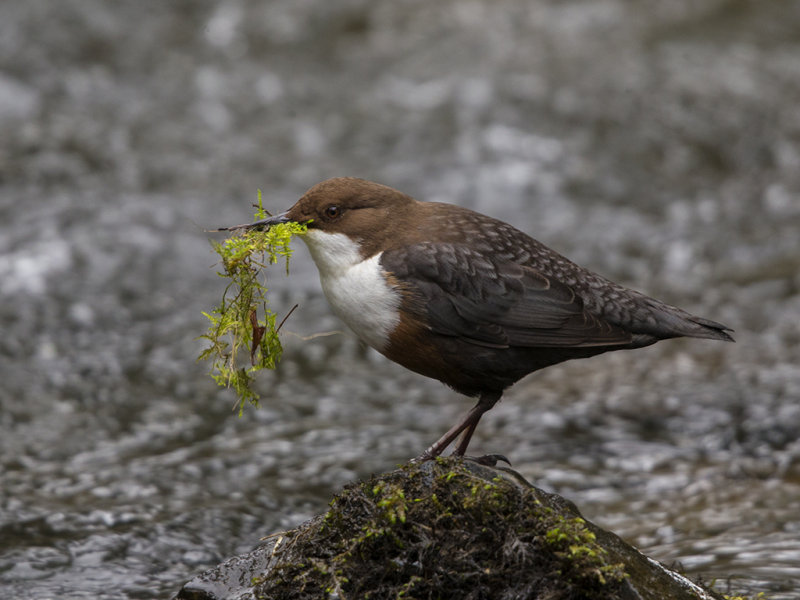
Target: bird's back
647,319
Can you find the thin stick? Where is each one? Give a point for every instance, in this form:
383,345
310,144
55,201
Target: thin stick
286,317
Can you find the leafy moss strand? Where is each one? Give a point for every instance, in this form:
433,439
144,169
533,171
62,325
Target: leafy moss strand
242,323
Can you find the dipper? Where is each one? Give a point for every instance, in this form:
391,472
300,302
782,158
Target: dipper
464,298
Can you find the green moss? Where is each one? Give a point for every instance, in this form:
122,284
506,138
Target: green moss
242,323
759,596
441,532
571,539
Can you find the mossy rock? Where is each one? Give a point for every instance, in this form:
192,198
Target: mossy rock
445,529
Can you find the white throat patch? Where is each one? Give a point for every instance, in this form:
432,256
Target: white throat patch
355,287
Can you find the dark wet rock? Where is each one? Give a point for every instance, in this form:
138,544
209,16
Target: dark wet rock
445,529
232,580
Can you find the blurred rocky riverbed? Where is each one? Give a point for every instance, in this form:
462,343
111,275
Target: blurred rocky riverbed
657,143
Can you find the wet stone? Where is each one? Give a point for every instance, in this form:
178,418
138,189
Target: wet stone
445,529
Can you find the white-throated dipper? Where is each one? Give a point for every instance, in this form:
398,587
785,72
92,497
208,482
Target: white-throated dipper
464,298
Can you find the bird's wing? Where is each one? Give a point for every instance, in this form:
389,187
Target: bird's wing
463,292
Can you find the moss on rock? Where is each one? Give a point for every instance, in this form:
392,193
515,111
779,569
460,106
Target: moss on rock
441,530
447,529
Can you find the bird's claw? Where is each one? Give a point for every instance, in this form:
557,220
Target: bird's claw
489,460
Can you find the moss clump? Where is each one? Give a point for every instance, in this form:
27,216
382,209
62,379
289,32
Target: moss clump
441,531
570,539
758,596
242,323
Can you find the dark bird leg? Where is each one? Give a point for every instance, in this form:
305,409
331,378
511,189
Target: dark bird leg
466,436
466,425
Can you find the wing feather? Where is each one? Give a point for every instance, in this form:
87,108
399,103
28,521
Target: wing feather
462,292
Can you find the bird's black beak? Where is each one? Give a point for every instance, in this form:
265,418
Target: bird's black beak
274,220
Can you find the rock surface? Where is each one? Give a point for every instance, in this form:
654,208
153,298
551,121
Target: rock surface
445,529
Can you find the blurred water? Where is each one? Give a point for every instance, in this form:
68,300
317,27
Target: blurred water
657,143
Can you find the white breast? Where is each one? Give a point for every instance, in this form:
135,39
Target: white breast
355,288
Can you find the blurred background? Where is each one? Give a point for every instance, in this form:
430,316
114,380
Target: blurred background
657,143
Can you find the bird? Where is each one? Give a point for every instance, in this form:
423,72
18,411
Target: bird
464,298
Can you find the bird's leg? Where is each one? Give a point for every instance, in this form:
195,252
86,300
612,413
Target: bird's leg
466,436
485,402
466,425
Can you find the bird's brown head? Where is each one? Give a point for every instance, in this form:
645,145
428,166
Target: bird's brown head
368,213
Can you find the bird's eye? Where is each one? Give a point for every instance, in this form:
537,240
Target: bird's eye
333,211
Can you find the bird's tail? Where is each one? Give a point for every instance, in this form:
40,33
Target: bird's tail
706,328
675,322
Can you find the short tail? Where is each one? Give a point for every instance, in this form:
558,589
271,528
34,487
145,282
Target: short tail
706,328
676,322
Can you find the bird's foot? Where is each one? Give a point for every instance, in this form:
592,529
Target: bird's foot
489,460
424,457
